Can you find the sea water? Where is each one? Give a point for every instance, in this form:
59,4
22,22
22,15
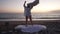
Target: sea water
21,17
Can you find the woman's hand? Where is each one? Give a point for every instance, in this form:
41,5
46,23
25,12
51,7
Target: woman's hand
25,1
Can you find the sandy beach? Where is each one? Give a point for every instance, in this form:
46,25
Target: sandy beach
52,25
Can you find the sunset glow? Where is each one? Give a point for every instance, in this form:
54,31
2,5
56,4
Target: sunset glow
16,6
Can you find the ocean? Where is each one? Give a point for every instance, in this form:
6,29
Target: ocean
21,17
34,16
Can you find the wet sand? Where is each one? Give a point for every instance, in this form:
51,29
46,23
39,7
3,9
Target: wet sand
53,26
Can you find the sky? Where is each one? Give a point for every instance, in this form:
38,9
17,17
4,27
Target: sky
16,6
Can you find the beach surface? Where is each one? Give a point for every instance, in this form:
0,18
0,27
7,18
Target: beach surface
53,26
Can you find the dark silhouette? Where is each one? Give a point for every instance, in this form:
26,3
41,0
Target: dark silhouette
27,11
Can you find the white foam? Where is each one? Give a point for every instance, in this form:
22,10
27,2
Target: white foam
31,28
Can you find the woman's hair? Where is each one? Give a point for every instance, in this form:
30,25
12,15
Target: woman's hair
28,5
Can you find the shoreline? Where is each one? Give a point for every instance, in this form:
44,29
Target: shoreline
22,22
28,19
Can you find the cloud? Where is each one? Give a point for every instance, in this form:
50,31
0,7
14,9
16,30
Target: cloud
55,11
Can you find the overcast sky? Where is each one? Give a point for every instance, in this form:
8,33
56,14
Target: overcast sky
17,5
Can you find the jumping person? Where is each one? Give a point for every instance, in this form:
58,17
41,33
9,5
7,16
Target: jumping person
27,12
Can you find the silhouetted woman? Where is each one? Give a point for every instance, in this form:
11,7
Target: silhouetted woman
27,12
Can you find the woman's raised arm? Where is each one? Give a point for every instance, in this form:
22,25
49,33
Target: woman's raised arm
24,4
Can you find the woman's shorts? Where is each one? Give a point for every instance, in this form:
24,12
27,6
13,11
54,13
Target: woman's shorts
27,14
